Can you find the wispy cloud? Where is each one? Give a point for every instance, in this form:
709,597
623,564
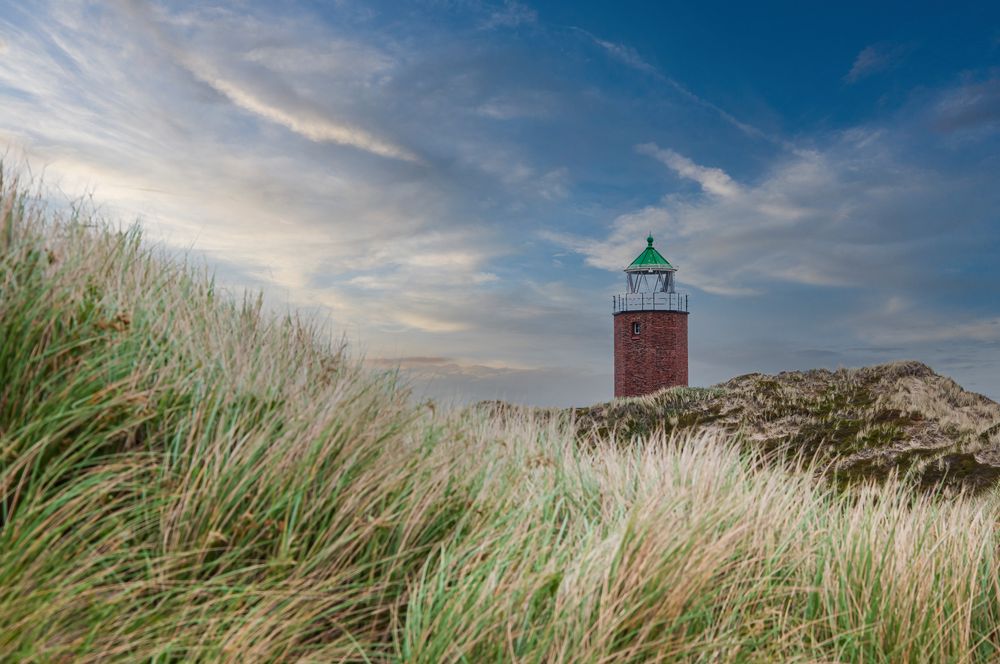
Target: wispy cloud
286,108
851,215
167,149
924,328
876,58
335,59
624,54
521,104
712,180
972,106
309,124
511,15
630,57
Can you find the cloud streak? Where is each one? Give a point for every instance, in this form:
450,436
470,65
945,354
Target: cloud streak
630,57
974,106
312,126
300,117
712,180
512,15
876,59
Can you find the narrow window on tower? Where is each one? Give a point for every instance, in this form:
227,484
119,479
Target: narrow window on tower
636,328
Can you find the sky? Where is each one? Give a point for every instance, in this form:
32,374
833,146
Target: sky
454,186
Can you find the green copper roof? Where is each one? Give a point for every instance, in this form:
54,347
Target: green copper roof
650,258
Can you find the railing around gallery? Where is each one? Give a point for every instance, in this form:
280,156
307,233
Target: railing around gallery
649,302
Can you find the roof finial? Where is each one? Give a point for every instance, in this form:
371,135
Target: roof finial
650,239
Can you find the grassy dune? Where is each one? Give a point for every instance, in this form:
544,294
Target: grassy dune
857,425
185,479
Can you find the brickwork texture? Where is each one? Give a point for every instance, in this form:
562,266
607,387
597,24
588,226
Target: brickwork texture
656,357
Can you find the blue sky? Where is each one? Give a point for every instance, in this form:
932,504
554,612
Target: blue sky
455,186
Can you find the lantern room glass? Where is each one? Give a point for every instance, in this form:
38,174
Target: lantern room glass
650,281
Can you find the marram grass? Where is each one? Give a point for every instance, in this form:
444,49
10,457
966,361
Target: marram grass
184,478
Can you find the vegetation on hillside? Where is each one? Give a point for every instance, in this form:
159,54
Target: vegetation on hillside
857,425
183,478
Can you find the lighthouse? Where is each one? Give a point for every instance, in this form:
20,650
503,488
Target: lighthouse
650,327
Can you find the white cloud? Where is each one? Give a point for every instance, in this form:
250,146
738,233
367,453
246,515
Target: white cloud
511,168
630,57
162,148
903,322
311,125
815,218
875,59
511,15
430,323
287,107
337,58
626,55
986,329
617,250
973,106
520,104
712,180
554,185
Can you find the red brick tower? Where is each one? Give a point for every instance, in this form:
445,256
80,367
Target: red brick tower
651,328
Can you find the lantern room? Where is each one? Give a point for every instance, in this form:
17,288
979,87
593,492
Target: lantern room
650,272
